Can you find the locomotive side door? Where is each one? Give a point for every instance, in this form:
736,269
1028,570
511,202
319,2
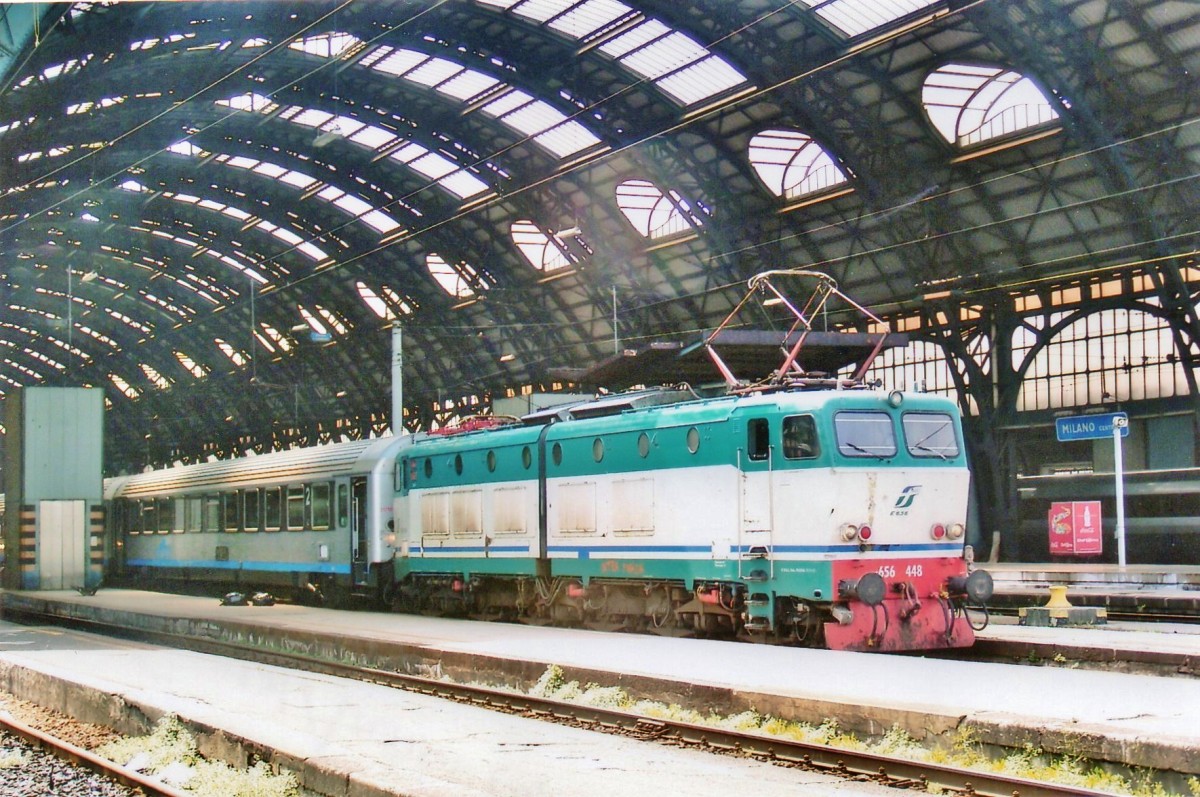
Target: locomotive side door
754,470
358,530
755,526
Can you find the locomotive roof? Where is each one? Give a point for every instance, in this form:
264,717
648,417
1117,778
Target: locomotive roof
752,354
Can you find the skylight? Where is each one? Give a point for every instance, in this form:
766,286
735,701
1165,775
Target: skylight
855,17
792,164
156,379
190,365
235,355
348,203
456,280
675,62
969,104
652,213
528,115
287,236
439,168
124,386
541,250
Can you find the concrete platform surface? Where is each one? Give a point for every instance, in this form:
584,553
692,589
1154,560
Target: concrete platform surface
360,740
1125,718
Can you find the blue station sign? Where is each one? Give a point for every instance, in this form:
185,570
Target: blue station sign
1090,427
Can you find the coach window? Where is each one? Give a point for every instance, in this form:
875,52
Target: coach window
252,510
930,434
231,512
212,512
320,506
800,437
295,507
165,516
865,434
193,509
758,439
343,506
272,509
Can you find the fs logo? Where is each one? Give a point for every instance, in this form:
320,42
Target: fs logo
905,501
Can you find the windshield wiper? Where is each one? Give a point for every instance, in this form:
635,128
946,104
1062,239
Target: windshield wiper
933,451
862,450
921,443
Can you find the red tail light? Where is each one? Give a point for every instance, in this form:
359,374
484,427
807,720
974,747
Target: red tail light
864,533
938,531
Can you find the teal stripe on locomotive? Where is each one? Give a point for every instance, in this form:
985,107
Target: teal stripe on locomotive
807,579
498,455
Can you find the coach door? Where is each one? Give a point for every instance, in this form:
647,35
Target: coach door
358,530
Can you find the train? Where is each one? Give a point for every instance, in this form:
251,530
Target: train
806,509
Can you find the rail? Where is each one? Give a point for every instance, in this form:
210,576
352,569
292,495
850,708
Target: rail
853,764
77,755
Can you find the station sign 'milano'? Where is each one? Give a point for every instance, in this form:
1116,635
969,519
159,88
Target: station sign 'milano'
1090,427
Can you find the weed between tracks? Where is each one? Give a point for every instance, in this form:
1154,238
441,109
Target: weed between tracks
170,755
964,751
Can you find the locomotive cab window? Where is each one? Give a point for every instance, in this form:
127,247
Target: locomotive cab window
865,434
758,439
800,437
930,434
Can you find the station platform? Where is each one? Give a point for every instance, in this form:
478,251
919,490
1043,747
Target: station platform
344,738
1122,718
1153,591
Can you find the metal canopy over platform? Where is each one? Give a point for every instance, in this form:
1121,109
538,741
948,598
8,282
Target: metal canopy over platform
217,210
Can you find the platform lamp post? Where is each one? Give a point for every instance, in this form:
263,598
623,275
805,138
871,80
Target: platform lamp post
1119,424
397,378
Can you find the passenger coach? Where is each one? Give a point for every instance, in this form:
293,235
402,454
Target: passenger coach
312,520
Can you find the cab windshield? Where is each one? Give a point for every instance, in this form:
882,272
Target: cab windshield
930,434
865,434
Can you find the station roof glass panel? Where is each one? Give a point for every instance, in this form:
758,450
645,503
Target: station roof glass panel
676,63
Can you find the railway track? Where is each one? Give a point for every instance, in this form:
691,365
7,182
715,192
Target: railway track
89,761
845,763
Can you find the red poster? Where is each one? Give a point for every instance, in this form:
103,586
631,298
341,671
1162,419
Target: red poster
1076,528
1089,534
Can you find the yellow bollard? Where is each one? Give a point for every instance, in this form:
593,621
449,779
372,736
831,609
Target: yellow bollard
1058,598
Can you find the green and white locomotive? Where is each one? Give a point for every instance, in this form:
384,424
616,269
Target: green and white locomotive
800,509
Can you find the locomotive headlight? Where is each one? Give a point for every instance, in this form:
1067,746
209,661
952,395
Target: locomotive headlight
848,531
390,539
955,531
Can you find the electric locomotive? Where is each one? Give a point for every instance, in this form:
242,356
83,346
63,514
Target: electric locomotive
803,509
828,518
